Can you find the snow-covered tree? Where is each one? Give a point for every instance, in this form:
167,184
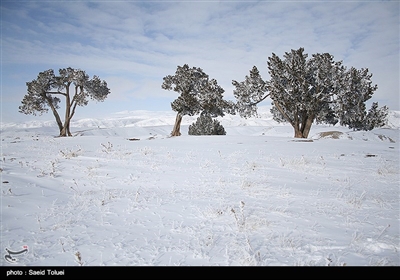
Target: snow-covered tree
350,103
197,94
306,90
205,125
376,117
44,91
249,93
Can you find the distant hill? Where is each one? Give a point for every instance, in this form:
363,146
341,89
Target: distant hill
141,118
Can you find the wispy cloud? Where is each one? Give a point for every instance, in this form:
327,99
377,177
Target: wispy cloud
136,43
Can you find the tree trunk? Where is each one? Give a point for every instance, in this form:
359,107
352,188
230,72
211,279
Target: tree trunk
58,120
301,130
55,113
298,133
68,131
71,114
65,130
307,126
177,126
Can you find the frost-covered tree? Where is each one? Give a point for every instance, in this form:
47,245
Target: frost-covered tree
47,89
197,94
376,117
205,125
304,91
249,93
350,103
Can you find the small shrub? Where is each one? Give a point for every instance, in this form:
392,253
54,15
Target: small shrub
205,125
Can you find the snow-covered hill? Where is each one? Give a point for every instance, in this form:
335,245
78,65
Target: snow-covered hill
150,119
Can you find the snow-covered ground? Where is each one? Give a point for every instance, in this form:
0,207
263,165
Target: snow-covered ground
122,192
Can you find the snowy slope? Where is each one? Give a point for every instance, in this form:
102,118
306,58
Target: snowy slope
256,196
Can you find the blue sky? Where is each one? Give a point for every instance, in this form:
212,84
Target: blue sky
134,44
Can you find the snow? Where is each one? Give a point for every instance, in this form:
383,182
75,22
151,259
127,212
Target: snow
121,192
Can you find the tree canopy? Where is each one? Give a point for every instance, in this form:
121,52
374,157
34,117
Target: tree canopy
45,91
306,90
